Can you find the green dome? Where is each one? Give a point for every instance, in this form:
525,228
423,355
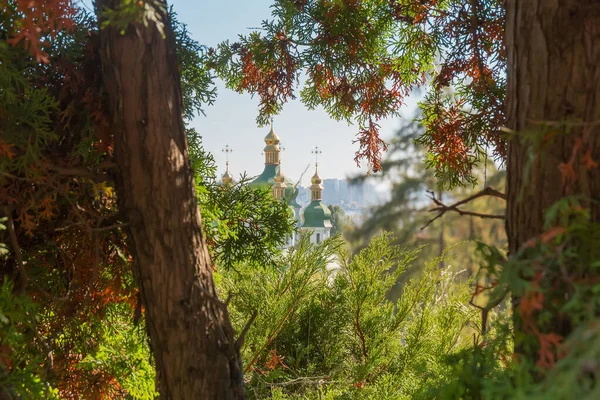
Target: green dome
317,215
267,178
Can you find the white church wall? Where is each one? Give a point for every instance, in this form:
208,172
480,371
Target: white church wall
318,234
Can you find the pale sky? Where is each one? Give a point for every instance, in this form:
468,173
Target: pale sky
232,119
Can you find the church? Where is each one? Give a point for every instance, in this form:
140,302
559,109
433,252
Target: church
314,218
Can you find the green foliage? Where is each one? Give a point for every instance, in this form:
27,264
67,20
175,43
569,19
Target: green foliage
324,324
197,85
330,332
123,352
557,365
407,213
27,114
22,373
362,59
243,224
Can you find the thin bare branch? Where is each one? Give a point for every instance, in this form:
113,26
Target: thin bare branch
302,379
85,172
88,229
13,177
441,208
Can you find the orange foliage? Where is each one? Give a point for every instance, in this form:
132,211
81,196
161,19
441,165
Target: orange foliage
274,360
531,303
6,150
39,18
74,259
274,80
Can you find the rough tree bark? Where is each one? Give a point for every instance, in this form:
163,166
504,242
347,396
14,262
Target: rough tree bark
189,328
553,77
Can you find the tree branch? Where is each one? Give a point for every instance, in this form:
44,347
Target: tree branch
24,278
486,309
84,172
302,379
240,340
14,242
442,208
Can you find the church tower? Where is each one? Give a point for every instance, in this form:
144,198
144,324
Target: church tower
279,186
227,178
285,189
317,217
271,149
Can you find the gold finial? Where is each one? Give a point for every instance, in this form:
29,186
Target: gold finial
227,178
316,151
227,150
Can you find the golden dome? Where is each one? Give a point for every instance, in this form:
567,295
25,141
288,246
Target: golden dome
227,177
271,147
272,139
316,179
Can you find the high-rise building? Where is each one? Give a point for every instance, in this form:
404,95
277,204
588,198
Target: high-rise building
331,194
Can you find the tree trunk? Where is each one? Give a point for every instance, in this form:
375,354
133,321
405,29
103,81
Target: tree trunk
189,328
553,49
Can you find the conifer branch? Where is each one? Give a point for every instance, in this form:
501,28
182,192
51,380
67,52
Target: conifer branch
361,335
274,333
441,208
24,278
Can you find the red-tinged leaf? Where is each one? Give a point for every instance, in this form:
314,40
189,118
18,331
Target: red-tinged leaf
359,385
588,161
6,150
27,223
568,172
550,234
548,348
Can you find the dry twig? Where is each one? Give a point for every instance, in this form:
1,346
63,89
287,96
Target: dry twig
441,208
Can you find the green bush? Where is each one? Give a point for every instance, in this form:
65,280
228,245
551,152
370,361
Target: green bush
323,332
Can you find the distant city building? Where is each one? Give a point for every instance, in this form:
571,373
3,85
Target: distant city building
352,197
331,191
